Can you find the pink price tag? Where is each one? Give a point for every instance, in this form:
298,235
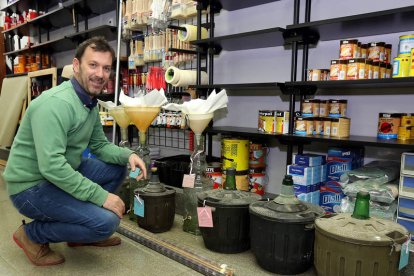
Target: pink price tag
188,181
205,217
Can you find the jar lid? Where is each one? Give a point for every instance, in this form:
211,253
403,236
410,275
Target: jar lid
299,212
154,190
372,231
227,198
373,44
349,41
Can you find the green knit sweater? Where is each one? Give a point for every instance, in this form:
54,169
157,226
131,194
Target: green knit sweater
54,132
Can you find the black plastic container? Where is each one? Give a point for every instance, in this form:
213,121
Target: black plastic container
230,209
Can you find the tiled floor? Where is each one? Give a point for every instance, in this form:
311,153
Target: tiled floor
130,258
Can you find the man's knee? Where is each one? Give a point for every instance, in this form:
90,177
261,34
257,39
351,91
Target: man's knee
107,224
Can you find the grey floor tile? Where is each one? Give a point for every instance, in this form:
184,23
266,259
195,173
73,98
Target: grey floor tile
7,269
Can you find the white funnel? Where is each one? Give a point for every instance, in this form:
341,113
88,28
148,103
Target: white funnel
198,122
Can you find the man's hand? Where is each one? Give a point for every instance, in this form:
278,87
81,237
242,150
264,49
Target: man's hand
134,161
115,204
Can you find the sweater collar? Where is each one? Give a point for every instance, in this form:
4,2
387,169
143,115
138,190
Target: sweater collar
83,96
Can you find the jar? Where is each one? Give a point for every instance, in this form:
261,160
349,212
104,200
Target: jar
300,126
383,69
348,48
309,126
368,69
323,108
326,126
315,103
401,67
388,70
338,69
355,69
375,69
307,108
318,126
387,56
363,51
376,51
337,108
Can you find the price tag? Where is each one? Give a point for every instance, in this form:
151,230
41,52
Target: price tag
138,206
205,217
134,174
188,181
405,252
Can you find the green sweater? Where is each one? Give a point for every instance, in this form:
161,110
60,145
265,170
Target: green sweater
53,134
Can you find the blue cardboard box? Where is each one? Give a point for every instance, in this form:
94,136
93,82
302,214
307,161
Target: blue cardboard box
330,196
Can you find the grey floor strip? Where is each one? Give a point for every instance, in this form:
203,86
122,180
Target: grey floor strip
176,252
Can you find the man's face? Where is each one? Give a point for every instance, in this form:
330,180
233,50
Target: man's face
93,70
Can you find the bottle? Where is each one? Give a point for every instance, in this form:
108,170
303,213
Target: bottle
361,209
230,183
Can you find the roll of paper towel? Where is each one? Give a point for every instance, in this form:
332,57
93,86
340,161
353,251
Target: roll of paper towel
183,78
190,33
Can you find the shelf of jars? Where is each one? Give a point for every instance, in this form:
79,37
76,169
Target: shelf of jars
231,5
349,84
239,86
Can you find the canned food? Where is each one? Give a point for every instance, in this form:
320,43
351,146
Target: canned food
363,51
388,124
411,72
383,69
388,71
355,69
318,74
307,108
257,156
375,69
315,107
376,51
309,126
257,181
318,126
323,108
235,154
407,119
327,126
368,69
337,108
300,126
348,49
404,132
401,67
406,44
267,121
338,69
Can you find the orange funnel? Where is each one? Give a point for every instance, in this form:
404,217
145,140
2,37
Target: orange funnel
142,116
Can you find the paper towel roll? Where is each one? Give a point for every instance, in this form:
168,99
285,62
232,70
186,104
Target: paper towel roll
183,78
190,33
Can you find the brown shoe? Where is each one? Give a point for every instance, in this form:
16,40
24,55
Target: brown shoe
38,254
111,241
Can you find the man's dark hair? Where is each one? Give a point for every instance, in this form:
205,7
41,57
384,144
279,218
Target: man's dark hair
97,43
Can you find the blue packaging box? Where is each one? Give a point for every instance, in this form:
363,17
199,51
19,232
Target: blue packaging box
301,175
324,172
302,192
356,154
308,159
406,207
330,196
336,166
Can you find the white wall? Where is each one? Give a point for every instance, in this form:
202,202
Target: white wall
273,64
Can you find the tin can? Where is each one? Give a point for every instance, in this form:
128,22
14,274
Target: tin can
257,156
404,132
368,69
405,45
407,119
376,51
338,69
355,69
282,122
235,154
242,180
388,124
348,48
267,121
323,108
401,67
363,51
257,181
317,126
411,72
213,171
315,107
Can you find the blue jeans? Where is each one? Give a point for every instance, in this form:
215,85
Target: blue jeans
59,217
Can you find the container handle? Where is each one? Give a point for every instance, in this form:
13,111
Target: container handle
309,227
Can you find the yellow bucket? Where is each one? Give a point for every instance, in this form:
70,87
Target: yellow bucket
235,154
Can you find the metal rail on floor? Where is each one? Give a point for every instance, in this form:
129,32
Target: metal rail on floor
176,252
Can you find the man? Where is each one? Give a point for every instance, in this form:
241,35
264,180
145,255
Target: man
70,199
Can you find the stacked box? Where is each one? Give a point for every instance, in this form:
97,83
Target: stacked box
339,161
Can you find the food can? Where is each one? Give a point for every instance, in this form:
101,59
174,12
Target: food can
348,48
309,126
355,69
337,108
411,72
323,108
315,107
404,132
405,45
242,180
318,126
407,119
387,56
318,74
401,67
363,51
267,121
257,156
368,69
300,126
306,108
376,51
282,122
375,69
338,69
388,124
235,154
327,126
213,171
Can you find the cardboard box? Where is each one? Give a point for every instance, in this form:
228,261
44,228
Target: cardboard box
330,196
